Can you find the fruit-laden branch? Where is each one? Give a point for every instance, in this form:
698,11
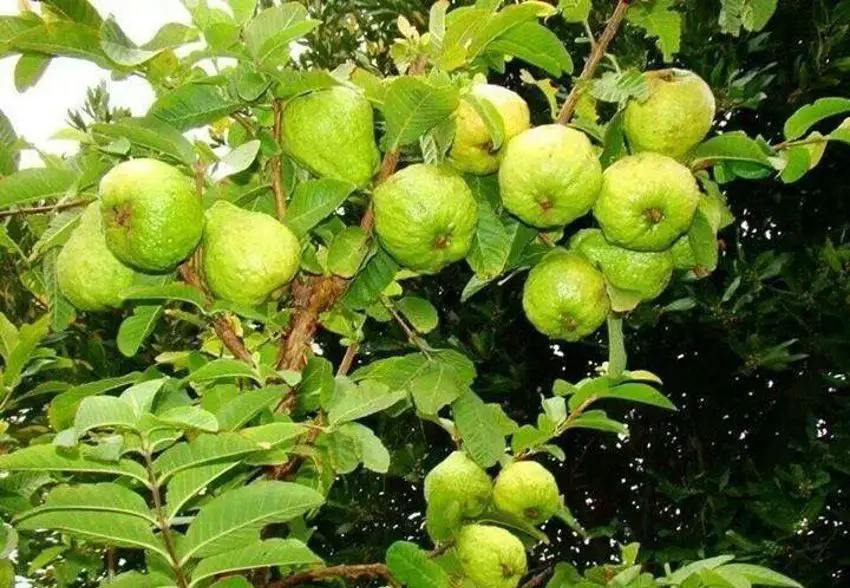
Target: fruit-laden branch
274,163
538,579
45,208
596,57
349,572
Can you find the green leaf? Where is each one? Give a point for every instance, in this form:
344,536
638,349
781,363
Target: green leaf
141,396
703,241
119,48
376,276
659,19
201,450
492,119
63,408
313,201
219,369
137,327
479,429
139,580
10,154
80,11
150,133
172,291
103,497
189,417
245,406
616,347
8,337
372,452
58,232
29,69
261,554
419,312
47,458
499,25
104,411
413,106
269,34
187,483
434,387
317,383
761,576
35,184
28,339
236,517
620,86
101,527
537,45
752,15
711,563
243,10
62,312
734,146
347,251
193,105
367,398
809,115
598,420
237,160
635,392
413,567
491,244
63,38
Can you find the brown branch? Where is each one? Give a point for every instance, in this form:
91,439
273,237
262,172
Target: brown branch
274,163
596,56
349,572
45,208
538,579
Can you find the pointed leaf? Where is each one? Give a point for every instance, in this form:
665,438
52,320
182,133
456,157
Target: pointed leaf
243,407
219,369
479,429
262,554
413,567
313,201
137,327
48,458
193,105
150,133
35,184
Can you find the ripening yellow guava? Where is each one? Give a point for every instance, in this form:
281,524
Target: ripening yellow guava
472,149
549,176
331,133
565,296
89,276
456,490
647,201
527,491
247,255
425,216
491,557
152,217
677,114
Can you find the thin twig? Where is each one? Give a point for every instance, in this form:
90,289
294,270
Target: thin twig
46,208
274,163
349,572
538,579
596,55
165,529
411,334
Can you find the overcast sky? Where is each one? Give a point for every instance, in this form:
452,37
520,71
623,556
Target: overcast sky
40,111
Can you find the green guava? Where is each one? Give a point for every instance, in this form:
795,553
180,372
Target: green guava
152,216
472,149
549,176
647,201
676,115
646,273
491,557
565,297
247,255
90,277
331,133
575,10
527,491
425,216
456,490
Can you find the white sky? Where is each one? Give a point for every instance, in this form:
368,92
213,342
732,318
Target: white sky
41,111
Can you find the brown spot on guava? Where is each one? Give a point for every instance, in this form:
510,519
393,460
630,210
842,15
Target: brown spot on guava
442,241
120,215
654,215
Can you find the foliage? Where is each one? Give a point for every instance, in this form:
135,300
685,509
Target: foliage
186,438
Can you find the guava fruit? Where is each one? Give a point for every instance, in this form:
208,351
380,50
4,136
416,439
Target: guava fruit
425,216
152,216
472,149
646,273
565,297
491,557
247,255
331,133
90,277
528,491
549,176
647,201
457,489
676,115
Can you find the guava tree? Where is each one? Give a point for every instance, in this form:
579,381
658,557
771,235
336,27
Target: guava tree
206,332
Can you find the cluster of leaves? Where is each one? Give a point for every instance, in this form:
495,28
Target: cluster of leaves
191,435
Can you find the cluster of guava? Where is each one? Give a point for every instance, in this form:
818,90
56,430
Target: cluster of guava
459,494
148,219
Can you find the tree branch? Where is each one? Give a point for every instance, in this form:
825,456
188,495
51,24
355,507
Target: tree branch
598,52
349,572
46,208
274,163
538,579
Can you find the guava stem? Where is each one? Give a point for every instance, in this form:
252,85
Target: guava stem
45,208
596,56
350,572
